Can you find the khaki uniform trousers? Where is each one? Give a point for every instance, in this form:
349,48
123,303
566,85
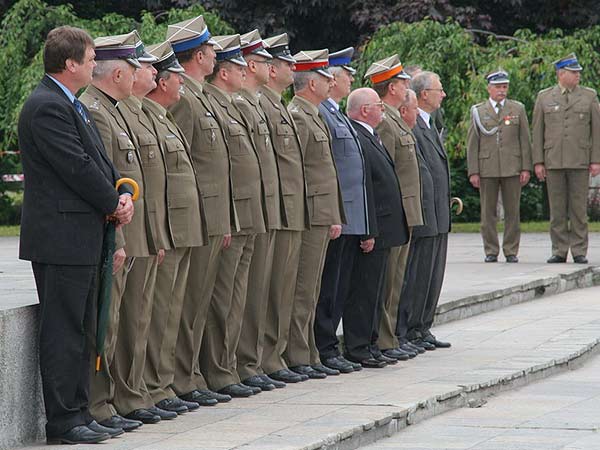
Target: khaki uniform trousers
567,194
225,314
286,257
102,384
250,348
391,296
510,189
201,281
130,355
301,348
171,281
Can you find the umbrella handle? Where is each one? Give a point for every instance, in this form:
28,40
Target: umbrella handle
133,184
459,202
98,363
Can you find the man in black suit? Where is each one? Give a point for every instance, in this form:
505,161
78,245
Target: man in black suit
429,244
69,192
388,229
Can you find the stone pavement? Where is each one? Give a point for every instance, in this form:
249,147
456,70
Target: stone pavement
561,413
491,352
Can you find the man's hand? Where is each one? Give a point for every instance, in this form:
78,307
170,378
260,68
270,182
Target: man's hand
540,171
594,169
226,240
124,211
118,260
475,181
524,177
335,231
160,256
368,245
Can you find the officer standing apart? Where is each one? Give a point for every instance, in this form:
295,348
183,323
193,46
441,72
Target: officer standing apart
566,149
499,160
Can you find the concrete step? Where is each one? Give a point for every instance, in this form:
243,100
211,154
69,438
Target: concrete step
491,353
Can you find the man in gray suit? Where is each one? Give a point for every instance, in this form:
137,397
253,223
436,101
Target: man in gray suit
341,253
429,243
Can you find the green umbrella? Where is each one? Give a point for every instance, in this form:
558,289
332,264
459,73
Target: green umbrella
108,250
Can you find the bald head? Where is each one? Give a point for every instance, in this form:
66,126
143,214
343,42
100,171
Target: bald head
365,105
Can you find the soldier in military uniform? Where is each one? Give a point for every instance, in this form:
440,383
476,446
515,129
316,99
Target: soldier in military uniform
566,150
193,46
390,81
223,325
188,230
249,351
499,159
286,252
312,85
112,81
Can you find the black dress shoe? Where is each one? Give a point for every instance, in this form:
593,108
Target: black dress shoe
308,371
267,379
237,391
202,399
257,381
370,363
163,413
396,353
286,376
381,357
172,404
556,259
221,398
434,341
113,432
80,434
255,389
580,259
491,258
512,259
336,364
416,348
191,406
409,350
326,370
356,366
121,422
144,416
424,344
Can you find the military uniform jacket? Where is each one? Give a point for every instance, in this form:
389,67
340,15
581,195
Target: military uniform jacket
248,105
195,117
126,158
290,161
245,169
504,153
399,141
155,173
350,164
325,204
183,200
566,135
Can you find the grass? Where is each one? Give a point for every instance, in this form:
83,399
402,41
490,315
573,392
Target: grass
9,230
526,227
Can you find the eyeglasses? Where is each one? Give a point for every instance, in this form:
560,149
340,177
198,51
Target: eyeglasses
261,62
379,103
432,89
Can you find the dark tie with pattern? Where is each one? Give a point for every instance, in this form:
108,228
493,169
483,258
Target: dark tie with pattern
80,110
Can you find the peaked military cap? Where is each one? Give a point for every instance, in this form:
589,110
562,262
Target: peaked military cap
314,61
121,46
166,59
228,48
252,44
386,69
497,77
569,62
279,47
189,34
342,58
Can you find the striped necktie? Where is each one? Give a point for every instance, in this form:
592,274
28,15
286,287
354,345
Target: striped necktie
79,107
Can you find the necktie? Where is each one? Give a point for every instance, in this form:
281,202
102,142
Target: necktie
377,137
80,110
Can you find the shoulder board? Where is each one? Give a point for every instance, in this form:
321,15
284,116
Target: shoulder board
588,89
548,89
516,102
477,105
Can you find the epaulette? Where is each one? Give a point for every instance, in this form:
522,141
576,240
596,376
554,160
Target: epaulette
591,90
543,91
95,106
516,102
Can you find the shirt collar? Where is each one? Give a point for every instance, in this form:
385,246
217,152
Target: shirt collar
67,92
367,126
425,116
495,103
333,103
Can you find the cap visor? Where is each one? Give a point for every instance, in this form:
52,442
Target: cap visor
350,69
239,60
147,58
211,41
499,82
134,62
262,53
287,58
577,68
404,76
325,73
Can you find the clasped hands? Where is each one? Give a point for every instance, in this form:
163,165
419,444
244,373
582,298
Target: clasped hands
124,212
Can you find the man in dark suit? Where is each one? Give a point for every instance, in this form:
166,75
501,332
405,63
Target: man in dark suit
429,243
388,228
69,192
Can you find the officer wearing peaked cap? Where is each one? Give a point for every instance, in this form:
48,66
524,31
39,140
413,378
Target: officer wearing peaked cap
112,82
290,162
566,150
356,232
312,85
223,326
390,81
188,227
499,160
193,46
250,348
